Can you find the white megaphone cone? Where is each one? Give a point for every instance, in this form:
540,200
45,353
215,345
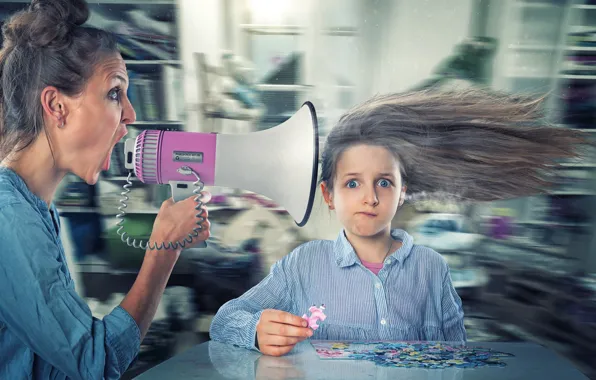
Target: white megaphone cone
280,163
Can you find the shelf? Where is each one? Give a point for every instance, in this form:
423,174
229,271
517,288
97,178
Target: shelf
585,130
542,5
133,2
294,30
298,87
578,77
282,87
532,47
528,76
157,62
157,123
572,193
76,210
580,48
106,211
524,243
584,7
290,30
120,178
341,31
578,165
553,223
131,210
96,2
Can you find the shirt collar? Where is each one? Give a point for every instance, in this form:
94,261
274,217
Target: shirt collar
346,256
21,186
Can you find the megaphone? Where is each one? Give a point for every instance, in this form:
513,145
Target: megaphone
280,163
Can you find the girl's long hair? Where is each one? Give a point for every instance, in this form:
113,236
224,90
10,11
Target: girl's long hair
469,145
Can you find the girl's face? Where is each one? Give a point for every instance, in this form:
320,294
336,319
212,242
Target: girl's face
94,121
367,190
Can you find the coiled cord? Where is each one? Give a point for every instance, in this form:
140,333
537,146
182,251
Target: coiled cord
165,245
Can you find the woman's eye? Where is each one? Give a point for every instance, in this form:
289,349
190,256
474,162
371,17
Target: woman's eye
352,184
114,94
384,183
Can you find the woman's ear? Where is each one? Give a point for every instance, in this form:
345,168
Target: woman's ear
327,195
53,105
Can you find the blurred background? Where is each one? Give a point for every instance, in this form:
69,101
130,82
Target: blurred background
525,268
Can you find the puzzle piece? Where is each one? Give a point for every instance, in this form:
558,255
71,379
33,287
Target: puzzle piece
316,315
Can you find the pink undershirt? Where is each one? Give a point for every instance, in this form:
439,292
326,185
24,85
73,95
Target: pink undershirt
373,267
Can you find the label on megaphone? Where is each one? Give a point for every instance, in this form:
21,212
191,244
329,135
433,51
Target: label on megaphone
181,156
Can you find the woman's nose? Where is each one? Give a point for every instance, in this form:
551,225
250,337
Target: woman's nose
129,115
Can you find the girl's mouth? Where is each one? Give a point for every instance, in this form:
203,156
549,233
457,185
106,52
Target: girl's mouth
370,215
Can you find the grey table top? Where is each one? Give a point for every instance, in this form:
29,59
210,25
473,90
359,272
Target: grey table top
213,360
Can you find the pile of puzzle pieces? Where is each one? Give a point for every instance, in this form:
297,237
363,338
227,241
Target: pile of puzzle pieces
430,355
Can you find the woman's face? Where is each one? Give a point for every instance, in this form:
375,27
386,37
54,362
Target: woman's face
94,122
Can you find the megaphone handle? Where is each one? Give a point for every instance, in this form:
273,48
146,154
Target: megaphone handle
198,187
182,190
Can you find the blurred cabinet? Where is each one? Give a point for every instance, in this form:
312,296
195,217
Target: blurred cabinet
300,50
548,47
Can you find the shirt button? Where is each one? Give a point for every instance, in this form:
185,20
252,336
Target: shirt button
388,261
378,285
383,321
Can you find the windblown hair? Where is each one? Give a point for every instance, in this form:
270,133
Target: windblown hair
44,45
468,145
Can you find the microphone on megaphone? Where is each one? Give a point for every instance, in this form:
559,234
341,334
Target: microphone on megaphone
280,163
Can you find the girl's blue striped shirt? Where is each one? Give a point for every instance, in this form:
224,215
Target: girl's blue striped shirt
412,297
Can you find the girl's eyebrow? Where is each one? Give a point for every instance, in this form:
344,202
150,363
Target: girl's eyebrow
385,174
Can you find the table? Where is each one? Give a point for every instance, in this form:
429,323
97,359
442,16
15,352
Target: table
214,360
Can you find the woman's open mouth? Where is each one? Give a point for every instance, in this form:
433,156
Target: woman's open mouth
106,163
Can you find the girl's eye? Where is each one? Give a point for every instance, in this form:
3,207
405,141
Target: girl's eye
384,183
114,94
352,184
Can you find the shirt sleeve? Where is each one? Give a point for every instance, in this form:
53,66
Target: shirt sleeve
453,313
236,321
41,309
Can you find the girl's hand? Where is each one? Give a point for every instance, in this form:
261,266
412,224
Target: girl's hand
278,332
175,220
269,367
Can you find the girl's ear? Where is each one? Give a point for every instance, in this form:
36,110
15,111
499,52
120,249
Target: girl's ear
402,195
327,195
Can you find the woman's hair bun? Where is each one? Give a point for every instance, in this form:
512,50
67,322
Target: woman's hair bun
46,22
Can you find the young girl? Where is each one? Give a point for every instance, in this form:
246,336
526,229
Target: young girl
376,283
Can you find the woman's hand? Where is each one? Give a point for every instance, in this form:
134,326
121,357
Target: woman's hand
278,332
175,220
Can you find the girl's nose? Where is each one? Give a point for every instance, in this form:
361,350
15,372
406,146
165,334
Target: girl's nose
370,198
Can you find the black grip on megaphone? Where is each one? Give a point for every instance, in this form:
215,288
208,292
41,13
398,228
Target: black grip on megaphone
181,190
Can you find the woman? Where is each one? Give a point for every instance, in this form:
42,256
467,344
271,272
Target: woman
63,107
